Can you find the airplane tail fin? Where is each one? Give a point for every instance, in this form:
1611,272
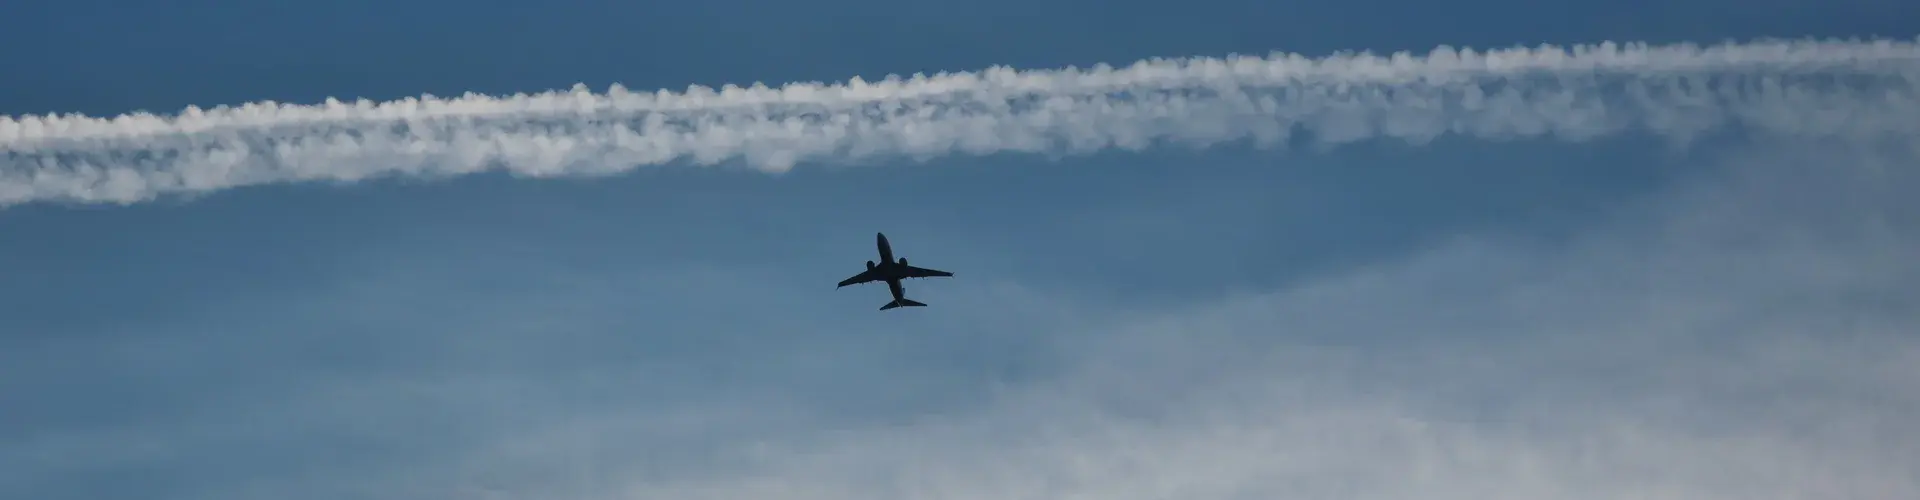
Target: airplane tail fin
901,303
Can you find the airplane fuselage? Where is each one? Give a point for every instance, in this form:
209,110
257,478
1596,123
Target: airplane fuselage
887,264
886,250
888,268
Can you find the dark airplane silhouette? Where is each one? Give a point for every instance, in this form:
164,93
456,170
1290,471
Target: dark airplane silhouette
892,272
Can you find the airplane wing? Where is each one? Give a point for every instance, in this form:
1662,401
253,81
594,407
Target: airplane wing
921,272
863,277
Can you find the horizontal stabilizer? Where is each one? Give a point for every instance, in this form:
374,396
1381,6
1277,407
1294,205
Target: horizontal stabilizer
901,303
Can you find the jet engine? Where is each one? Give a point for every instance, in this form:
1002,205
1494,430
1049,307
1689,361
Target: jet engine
869,264
903,261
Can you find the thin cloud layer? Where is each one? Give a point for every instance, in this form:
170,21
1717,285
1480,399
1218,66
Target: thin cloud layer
1835,89
1748,337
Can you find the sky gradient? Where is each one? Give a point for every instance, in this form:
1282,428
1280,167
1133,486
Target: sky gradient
1474,317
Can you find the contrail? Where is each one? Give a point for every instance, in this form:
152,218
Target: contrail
1847,89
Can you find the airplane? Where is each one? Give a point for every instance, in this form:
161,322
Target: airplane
892,271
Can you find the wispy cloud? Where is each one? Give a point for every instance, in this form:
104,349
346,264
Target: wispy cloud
1848,89
1749,335
1712,345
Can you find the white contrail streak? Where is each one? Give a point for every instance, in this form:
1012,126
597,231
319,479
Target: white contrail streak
1857,90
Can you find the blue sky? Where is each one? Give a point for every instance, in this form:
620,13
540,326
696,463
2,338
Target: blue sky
1534,319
